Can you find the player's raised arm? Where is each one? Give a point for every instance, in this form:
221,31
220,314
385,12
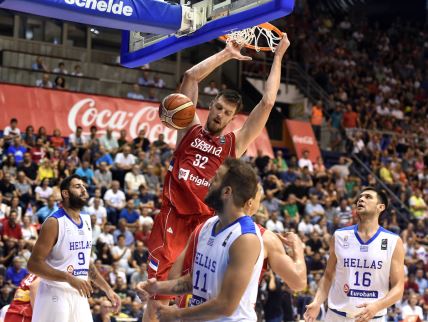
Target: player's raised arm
291,270
37,262
193,76
313,309
397,286
257,119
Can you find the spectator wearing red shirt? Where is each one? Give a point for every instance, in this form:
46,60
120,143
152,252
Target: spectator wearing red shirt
411,284
57,141
11,229
350,118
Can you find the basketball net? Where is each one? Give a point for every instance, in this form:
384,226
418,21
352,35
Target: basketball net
251,37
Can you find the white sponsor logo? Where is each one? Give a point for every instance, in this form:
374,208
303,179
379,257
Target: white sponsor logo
206,147
303,139
183,174
108,6
85,113
170,230
199,181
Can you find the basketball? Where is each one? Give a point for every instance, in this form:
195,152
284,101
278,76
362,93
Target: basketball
176,111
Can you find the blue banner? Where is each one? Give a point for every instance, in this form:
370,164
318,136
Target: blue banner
149,16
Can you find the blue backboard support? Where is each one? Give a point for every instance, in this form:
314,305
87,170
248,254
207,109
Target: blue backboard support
162,46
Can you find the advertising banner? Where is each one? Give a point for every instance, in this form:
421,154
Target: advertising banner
300,137
67,110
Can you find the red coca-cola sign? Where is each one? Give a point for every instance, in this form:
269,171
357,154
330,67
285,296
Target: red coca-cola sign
67,110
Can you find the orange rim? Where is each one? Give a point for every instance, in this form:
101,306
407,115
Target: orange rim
265,25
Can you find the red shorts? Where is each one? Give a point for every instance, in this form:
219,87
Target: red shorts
15,317
167,240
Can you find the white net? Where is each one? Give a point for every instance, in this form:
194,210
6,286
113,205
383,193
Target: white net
254,36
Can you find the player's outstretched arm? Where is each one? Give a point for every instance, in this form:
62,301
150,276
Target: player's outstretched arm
257,119
313,309
291,270
37,262
242,256
99,281
396,278
193,76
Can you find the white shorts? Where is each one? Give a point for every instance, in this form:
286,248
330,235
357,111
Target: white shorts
334,317
54,303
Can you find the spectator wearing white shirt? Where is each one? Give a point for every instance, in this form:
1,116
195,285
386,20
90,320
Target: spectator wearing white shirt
77,71
305,227
122,255
411,309
211,89
106,236
123,162
99,211
145,79
109,142
115,201
304,161
11,131
274,224
134,179
158,82
60,69
136,93
145,219
44,82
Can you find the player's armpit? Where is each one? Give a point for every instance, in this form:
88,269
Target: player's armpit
44,244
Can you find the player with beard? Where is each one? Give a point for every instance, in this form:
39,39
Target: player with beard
200,150
365,270
229,256
61,258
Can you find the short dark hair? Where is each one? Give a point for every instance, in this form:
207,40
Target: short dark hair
381,196
13,120
65,184
232,96
242,178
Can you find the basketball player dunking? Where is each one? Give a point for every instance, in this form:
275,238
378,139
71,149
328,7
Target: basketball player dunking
61,257
229,256
365,270
199,153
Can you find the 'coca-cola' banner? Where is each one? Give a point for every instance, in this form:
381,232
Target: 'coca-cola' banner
67,110
302,138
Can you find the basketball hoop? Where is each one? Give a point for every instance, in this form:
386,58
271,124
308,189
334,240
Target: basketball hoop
252,37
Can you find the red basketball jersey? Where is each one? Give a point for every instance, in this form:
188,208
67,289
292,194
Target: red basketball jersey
195,161
21,301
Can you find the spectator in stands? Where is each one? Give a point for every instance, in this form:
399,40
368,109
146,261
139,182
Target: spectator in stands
141,142
15,274
304,161
86,171
29,167
9,166
44,82
29,231
104,156
140,274
145,80
130,214
421,280
134,179
99,211
350,118
123,162
103,176
114,200
47,210
59,82
46,170
341,170
106,236
317,118
29,138
158,82
7,188
136,93
274,224
109,142
122,139
60,69
305,227
42,134
11,227
211,89
56,140
344,213
23,188
40,65
43,192
417,204
11,131
412,309
152,95
77,71
122,229
279,162
17,150
314,209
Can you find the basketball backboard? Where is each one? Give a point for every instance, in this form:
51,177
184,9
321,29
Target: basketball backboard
211,19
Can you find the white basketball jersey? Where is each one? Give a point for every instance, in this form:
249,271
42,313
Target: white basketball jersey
72,251
362,269
211,260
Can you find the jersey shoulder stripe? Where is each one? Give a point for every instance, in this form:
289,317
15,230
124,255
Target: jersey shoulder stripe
247,225
347,228
388,231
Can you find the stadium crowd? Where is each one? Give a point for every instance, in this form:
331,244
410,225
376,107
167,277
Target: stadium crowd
378,87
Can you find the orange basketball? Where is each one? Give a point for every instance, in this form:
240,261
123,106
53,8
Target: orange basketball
177,111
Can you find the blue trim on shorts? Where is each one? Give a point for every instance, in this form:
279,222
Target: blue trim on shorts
345,315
